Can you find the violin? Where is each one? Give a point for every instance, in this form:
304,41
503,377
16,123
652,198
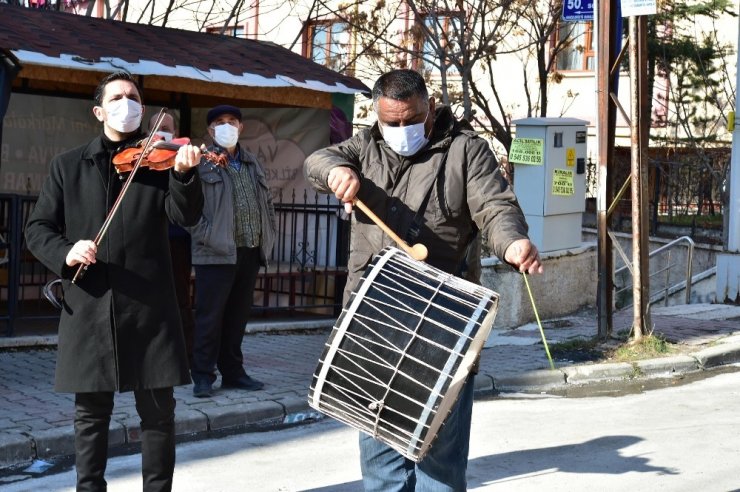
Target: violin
160,155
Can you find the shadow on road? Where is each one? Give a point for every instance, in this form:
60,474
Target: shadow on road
602,455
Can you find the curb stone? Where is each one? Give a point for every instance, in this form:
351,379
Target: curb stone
719,355
54,442
541,379
483,384
264,411
15,448
294,404
598,372
668,366
190,422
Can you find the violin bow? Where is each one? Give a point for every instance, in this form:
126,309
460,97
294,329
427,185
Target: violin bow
104,228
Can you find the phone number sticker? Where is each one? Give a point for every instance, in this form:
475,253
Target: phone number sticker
527,151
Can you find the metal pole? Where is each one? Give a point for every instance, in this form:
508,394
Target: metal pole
638,142
606,12
644,204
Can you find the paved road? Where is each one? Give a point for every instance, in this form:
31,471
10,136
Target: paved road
682,438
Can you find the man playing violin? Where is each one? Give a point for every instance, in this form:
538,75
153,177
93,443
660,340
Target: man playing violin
119,328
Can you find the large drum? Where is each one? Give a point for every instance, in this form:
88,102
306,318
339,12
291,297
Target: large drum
401,351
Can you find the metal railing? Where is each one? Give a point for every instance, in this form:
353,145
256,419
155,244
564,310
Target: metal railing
624,292
305,276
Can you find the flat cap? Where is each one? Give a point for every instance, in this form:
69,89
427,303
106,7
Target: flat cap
217,111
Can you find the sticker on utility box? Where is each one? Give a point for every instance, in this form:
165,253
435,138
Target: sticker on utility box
562,182
570,156
527,151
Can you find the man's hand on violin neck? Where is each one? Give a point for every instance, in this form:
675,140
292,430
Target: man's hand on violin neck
188,156
82,252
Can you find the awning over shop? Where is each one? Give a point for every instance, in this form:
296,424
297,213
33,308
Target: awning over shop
67,54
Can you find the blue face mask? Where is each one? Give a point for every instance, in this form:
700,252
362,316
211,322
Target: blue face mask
405,140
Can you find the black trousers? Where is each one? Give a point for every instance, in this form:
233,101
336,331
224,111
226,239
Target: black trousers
223,298
156,408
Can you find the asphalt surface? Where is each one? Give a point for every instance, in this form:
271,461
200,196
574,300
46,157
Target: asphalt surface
36,423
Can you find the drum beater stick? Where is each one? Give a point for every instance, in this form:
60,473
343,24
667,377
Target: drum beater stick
417,251
539,323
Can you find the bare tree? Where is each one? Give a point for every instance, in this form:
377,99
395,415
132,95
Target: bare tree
548,37
458,45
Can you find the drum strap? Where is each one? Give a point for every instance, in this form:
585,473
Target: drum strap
412,234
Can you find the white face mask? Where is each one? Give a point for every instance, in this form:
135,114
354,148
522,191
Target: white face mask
226,135
167,136
405,140
124,115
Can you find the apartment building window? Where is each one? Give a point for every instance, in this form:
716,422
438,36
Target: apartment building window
578,54
444,27
328,43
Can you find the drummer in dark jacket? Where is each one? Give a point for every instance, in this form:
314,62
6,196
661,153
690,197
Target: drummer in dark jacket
120,327
420,162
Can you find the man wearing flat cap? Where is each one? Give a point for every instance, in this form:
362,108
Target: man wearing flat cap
232,239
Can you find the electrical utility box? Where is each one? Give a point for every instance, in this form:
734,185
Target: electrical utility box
549,160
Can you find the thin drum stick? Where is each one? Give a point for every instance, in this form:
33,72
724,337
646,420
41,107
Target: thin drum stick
539,323
417,251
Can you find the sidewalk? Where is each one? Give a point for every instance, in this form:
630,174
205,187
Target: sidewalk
36,423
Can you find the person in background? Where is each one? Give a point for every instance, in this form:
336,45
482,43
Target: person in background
167,129
393,167
119,328
233,238
182,267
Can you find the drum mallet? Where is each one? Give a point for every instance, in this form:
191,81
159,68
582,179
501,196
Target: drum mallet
417,251
539,323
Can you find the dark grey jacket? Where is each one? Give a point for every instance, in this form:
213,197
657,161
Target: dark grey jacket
469,194
213,236
120,327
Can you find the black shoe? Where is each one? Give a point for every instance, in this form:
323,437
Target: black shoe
202,389
243,382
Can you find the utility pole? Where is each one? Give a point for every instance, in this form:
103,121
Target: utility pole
640,134
607,77
608,63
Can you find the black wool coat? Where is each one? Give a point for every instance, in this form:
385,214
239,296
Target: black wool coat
120,328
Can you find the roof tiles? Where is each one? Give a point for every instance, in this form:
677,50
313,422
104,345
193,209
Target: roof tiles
88,40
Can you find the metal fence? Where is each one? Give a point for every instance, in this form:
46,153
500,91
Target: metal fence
682,182
305,276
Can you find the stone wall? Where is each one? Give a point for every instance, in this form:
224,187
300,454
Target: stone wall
567,285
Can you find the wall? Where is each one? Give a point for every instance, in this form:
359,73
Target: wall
567,285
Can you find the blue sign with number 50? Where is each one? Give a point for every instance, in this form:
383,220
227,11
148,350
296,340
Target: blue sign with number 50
578,10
